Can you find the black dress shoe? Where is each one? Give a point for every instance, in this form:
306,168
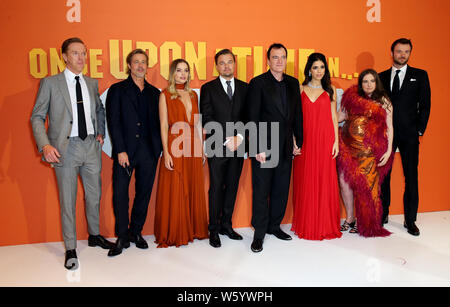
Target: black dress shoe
99,241
280,234
71,262
385,220
121,243
257,245
138,240
230,233
214,240
412,228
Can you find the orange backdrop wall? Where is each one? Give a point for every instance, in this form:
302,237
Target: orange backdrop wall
354,35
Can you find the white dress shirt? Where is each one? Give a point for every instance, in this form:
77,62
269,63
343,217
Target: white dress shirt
401,74
71,85
225,87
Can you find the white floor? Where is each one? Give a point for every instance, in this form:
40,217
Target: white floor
399,260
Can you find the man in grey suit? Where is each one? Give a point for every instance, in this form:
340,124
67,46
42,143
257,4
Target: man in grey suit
73,142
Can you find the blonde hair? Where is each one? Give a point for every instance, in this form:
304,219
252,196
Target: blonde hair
172,88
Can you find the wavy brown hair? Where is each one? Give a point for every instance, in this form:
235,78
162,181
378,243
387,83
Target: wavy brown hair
172,88
130,57
379,94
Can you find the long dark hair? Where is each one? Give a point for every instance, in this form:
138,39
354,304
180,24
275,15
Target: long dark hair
326,79
379,93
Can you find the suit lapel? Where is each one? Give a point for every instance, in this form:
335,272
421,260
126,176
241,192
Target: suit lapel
221,90
276,95
408,76
386,80
237,93
290,102
62,84
226,103
92,97
132,94
271,87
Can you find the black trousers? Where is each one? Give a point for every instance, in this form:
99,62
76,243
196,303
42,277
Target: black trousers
224,174
144,166
270,195
409,153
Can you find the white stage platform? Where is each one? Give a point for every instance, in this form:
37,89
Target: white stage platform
398,260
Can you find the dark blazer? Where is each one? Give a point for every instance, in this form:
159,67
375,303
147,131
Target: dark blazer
216,106
123,120
412,105
264,105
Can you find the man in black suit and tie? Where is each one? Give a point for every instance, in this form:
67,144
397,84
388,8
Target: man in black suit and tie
222,101
133,122
273,98
409,91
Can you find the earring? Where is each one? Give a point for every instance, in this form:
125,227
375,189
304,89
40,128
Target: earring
309,74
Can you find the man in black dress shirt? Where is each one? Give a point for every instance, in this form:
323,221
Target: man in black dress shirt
410,94
273,99
133,122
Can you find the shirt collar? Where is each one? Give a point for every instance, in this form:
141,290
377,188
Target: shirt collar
402,70
146,84
71,76
274,79
223,80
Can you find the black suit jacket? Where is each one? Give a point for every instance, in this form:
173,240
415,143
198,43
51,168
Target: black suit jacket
264,105
123,119
216,106
412,104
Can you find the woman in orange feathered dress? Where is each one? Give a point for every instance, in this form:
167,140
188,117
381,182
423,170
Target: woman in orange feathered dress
365,153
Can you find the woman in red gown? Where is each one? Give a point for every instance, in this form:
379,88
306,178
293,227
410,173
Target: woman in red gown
180,211
315,184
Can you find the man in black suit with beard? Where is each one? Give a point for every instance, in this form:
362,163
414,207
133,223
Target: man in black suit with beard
273,98
133,122
410,94
222,102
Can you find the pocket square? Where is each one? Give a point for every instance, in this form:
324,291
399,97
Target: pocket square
413,80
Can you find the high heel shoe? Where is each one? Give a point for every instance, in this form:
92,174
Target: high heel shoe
354,228
346,226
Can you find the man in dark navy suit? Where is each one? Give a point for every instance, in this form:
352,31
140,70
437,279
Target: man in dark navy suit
222,101
133,122
410,94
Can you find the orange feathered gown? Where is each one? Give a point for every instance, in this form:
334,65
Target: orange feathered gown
362,142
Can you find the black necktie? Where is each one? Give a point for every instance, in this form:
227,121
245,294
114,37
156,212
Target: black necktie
396,84
82,131
229,90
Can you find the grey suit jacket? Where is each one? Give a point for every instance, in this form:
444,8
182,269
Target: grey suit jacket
53,100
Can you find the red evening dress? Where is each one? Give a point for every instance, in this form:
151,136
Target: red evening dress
315,185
